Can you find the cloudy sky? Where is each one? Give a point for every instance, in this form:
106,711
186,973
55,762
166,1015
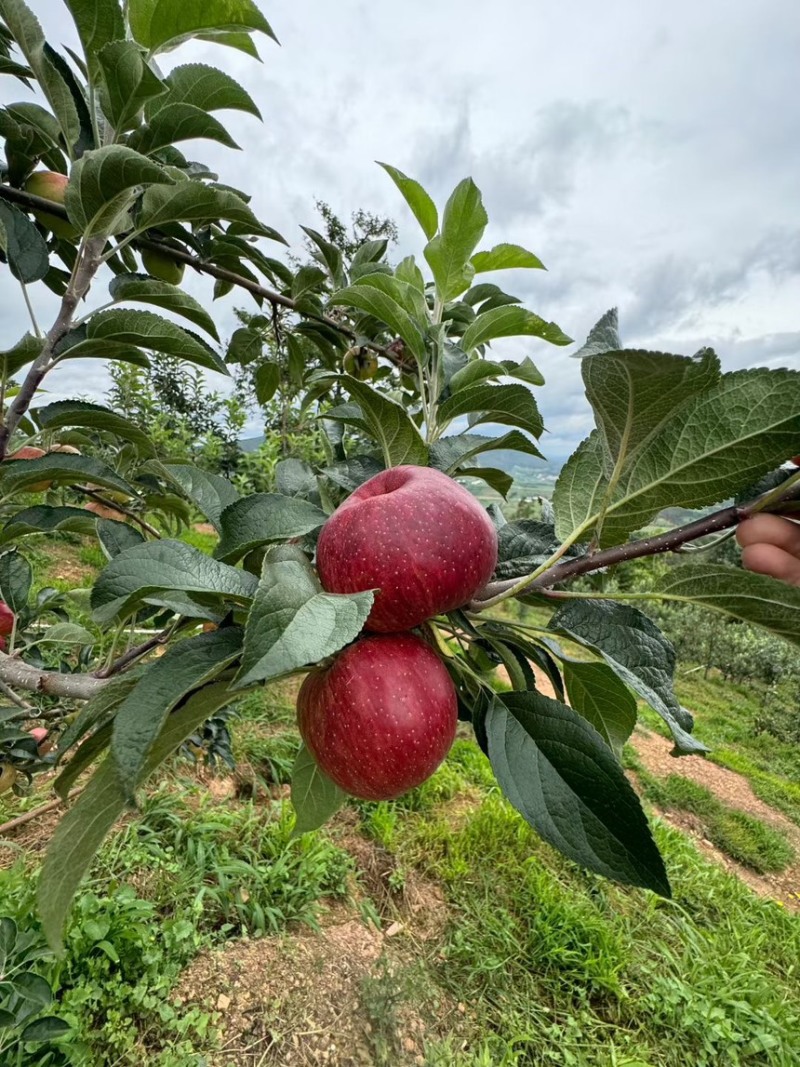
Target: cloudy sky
649,155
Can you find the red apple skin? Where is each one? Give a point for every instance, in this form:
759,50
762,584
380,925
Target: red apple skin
38,733
6,620
381,718
415,535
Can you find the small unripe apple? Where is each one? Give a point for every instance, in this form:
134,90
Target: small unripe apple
52,186
418,537
361,363
31,452
6,619
163,267
8,776
381,718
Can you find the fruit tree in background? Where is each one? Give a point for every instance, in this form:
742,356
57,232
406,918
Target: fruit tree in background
388,603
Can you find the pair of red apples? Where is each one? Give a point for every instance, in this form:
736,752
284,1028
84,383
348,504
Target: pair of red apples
381,718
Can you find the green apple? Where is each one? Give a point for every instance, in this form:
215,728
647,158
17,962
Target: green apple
163,267
361,363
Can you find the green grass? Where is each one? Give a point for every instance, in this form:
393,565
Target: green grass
205,542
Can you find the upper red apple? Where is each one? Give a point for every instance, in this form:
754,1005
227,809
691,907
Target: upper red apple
415,535
6,619
381,718
31,452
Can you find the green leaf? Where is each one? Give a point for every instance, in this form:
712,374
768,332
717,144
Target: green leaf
115,537
23,352
206,87
16,578
258,519
210,492
150,331
128,83
42,519
510,321
47,1028
172,298
140,718
714,445
81,831
388,423
65,633
597,694
96,417
448,253
98,709
448,453
381,305
145,574
638,653
562,778
24,246
191,201
634,394
161,25
266,381
179,122
315,797
754,598
505,257
497,479
103,185
603,337
580,486
98,23
33,988
292,622
27,32
509,405
417,199
60,467
245,345
524,545
477,370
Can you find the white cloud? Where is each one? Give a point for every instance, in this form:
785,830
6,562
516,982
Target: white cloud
649,155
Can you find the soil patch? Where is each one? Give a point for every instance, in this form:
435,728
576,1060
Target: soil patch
734,791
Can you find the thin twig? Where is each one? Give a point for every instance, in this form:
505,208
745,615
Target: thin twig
393,352
120,508
135,653
34,813
670,541
12,696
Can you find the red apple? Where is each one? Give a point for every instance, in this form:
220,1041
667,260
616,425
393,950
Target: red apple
52,186
103,512
31,452
38,733
415,535
381,718
6,619
3,644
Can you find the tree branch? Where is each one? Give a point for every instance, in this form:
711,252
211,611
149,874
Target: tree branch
85,269
17,673
393,352
671,541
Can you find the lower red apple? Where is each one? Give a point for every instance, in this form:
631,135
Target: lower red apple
6,619
381,718
418,537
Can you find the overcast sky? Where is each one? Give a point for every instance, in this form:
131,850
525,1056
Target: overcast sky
649,154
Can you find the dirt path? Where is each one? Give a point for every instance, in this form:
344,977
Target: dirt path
735,792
